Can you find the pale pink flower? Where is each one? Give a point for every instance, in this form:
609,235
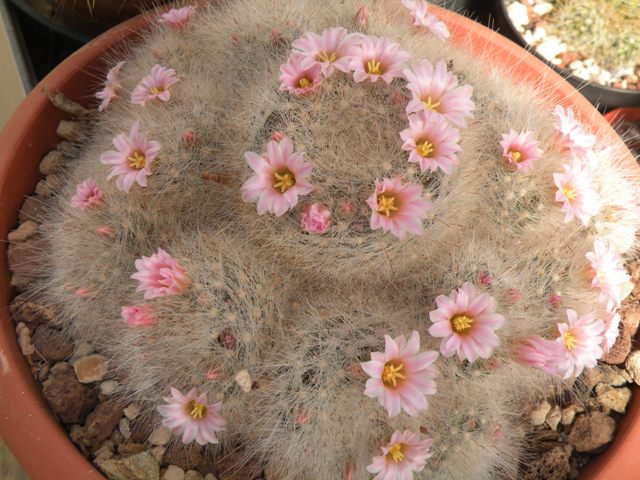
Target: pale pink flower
192,416
401,376
572,135
577,193
520,150
423,19
87,195
582,340
139,315
377,57
611,330
407,452
105,231
280,177
431,142
298,77
155,85
177,18
609,274
331,50
467,321
434,89
111,87
132,161
361,18
160,275
540,353
315,218
398,208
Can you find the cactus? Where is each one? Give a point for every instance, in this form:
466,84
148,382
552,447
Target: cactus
275,321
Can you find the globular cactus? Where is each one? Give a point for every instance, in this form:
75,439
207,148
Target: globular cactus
268,281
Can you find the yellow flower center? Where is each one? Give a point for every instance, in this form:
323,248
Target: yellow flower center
374,67
517,156
283,181
570,341
323,56
387,204
304,82
137,160
461,323
569,193
196,410
430,104
391,373
156,90
424,148
395,452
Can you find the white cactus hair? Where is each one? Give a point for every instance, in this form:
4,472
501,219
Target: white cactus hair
305,308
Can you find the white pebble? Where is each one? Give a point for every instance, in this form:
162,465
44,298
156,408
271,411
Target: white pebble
125,428
551,47
160,436
539,415
173,473
542,8
132,411
243,379
107,388
518,14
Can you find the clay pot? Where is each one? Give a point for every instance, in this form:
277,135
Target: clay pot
26,423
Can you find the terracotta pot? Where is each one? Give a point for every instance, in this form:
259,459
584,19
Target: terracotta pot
26,424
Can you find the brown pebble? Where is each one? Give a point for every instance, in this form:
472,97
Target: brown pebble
23,257
70,130
30,313
33,208
52,344
630,317
25,231
102,421
186,457
230,469
130,448
591,431
68,398
552,465
620,349
141,428
52,162
61,102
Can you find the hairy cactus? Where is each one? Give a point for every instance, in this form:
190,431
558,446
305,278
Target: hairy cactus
182,281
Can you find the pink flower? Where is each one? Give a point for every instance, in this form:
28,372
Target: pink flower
436,90
539,353
105,231
520,150
315,218
577,193
139,315
192,417
611,330
87,195
111,87
280,177
298,77
160,275
406,453
582,341
361,18
177,18
467,322
397,208
155,85
401,376
331,50
377,57
572,135
431,23
431,142
132,161
609,275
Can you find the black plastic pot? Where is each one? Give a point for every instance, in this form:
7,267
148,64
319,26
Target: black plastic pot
601,96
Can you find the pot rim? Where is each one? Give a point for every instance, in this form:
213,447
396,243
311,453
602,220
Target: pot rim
26,423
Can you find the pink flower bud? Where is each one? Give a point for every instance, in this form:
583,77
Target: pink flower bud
315,218
214,373
361,18
301,417
235,38
555,300
188,137
276,38
227,338
514,295
485,279
276,136
84,292
139,315
105,231
347,208
348,471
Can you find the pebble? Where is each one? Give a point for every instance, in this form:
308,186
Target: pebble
70,130
568,415
611,398
107,388
25,231
141,466
552,465
125,428
210,476
160,436
193,475
91,368
554,417
551,47
243,379
31,314
52,162
542,8
188,457
23,257
61,102
539,415
591,431
132,411
630,318
68,398
158,453
131,448
49,185
620,350
173,473
518,14
82,350
632,366
52,344
24,339
102,421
